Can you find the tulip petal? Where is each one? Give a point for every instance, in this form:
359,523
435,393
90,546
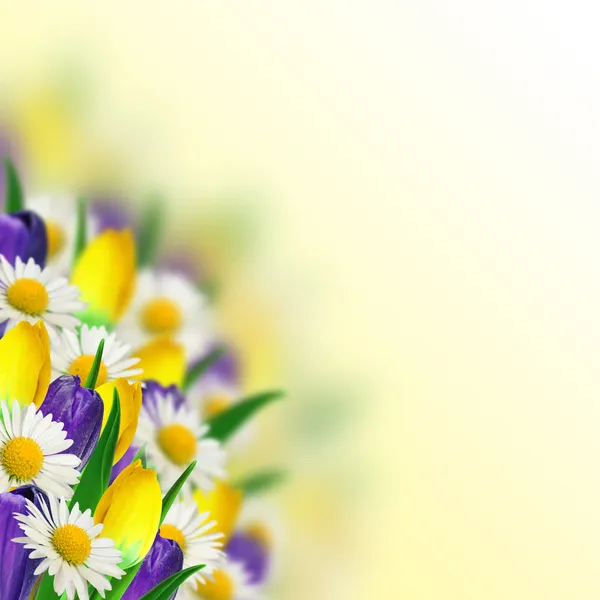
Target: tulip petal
163,360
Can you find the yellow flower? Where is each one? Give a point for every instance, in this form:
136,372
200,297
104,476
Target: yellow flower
130,511
163,360
105,274
130,399
224,504
25,360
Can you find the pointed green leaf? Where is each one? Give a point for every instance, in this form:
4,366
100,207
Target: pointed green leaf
260,482
165,589
150,233
92,377
81,231
198,370
226,423
13,192
172,494
96,475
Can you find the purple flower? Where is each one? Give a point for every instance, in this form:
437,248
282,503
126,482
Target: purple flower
80,410
164,559
111,214
154,390
251,553
23,234
125,461
16,568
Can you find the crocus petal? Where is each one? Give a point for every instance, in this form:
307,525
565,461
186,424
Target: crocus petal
23,234
223,503
105,274
163,360
80,410
25,360
16,568
164,559
252,553
130,397
130,510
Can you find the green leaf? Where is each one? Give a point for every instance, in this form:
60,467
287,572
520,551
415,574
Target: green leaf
172,494
46,589
149,233
13,191
81,231
165,589
119,586
226,423
198,370
96,475
92,377
258,483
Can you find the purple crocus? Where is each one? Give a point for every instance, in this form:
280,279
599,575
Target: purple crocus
164,559
23,234
154,390
16,568
252,553
80,410
111,213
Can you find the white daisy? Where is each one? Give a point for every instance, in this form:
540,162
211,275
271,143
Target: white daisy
167,304
74,351
190,529
69,545
174,437
30,293
30,446
231,581
59,213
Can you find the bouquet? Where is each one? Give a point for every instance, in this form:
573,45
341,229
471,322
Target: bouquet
118,405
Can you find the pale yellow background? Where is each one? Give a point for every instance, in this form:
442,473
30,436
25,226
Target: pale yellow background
427,179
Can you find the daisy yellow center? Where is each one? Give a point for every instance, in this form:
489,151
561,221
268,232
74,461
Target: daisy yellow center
220,588
72,543
215,405
82,366
260,533
22,458
28,296
56,238
178,443
171,532
161,316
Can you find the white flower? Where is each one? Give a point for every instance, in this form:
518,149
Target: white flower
167,304
30,293
69,545
59,213
231,582
189,528
173,436
30,447
74,352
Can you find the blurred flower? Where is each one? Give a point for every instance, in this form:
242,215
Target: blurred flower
105,273
30,293
164,559
173,435
167,304
69,544
79,410
230,583
74,352
162,360
130,400
223,504
31,451
23,234
130,511
17,575
110,214
25,360
191,530
252,551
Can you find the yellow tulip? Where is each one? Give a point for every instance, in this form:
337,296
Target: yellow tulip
130,512
163,360
224,504
25,360
105,273
130,400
